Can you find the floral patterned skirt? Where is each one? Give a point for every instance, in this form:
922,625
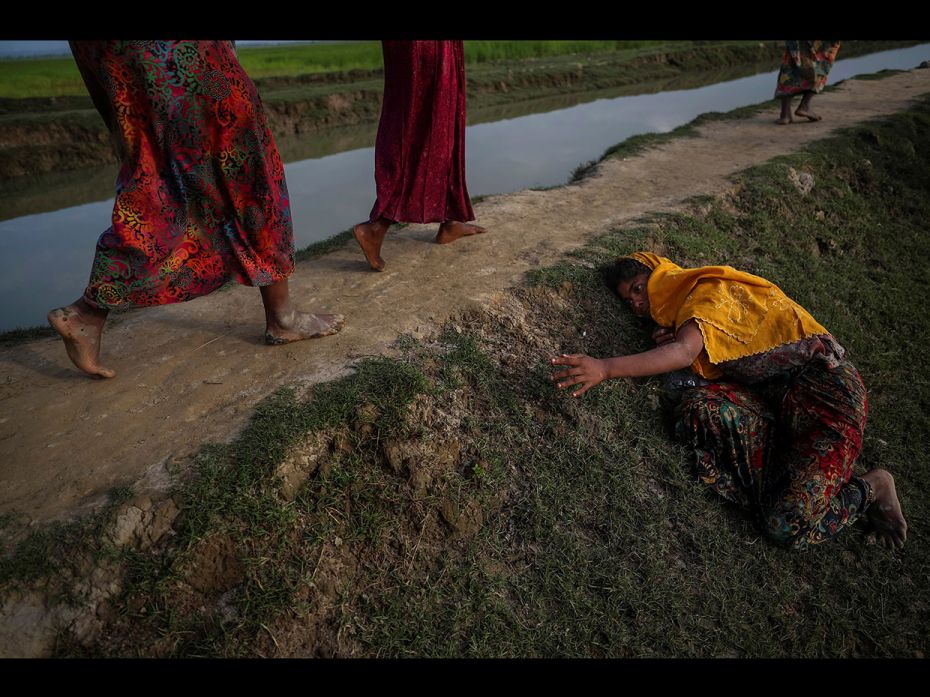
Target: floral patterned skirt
200,197
784,450
805,66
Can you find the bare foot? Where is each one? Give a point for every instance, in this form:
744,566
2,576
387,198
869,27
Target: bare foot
452,230
809,115
370,237
785,117
81,332
888,524
302,325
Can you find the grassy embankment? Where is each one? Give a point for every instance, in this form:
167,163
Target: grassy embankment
455,504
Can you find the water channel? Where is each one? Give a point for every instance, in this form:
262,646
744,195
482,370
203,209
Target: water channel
45,258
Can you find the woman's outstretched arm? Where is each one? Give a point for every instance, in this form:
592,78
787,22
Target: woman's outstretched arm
672,355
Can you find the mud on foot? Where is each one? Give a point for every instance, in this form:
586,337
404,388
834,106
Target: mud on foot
304,325
81,335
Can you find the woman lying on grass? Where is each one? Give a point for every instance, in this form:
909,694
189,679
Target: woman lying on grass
776,419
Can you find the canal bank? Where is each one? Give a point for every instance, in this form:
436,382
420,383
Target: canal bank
448,501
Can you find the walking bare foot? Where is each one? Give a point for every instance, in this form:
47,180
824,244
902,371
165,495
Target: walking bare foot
785,117
370,237
807,114
888,524
302,325
81,332
452,230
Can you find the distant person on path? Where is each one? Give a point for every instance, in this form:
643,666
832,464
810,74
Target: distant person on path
420,147
200,196
804,70
773,412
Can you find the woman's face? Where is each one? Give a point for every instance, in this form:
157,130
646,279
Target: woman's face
633,291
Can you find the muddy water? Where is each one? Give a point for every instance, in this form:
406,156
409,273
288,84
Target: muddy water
45,258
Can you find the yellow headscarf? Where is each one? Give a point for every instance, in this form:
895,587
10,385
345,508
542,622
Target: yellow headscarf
739,314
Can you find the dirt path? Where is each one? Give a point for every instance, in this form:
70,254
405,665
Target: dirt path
192,373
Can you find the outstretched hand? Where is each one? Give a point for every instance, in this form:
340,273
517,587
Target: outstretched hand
583,370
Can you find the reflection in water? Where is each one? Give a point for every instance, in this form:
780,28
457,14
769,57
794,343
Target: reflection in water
55,190
46,257
51,191
46,260
316,144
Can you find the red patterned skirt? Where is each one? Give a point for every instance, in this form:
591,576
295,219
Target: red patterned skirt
200,197
784,450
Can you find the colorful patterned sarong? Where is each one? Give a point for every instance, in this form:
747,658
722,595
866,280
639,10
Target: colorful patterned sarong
805,67
783,449
200,197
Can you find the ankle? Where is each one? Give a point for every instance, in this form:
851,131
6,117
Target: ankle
280,319
878,480
90,313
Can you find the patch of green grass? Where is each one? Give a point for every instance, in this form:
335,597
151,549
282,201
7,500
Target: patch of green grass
233,491
40,77
22,78
582,171
22,334
636,144
61,548
311,58
488,51
880,75
464,362
323,247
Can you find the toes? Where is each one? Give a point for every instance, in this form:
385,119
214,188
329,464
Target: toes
335,325
309,326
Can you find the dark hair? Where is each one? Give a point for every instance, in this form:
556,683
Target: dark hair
622,269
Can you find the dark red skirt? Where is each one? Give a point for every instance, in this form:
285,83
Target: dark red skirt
420,148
